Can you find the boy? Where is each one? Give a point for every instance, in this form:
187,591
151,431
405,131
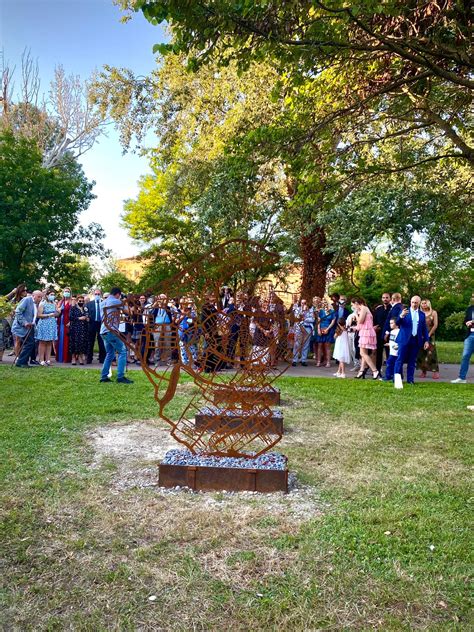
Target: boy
393,350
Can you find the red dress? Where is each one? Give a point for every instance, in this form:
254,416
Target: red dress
62,346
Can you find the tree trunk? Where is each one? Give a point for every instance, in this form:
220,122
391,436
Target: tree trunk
315,264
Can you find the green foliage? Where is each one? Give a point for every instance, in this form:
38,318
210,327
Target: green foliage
456,320
201,191
77,273
5,307
113,277
358,58
446,286
427,215
324,130
39,215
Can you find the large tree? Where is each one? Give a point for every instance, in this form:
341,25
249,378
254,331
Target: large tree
201,190
351,114
61,123
410,60
39,214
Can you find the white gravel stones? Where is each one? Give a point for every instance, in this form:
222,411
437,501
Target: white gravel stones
266,461
241,413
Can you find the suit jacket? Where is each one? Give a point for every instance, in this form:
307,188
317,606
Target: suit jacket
345,314
394,313
92,312
24,313
224,300
469,316
380,318
406,325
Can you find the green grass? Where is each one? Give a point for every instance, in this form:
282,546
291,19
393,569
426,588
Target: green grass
383,541
450,352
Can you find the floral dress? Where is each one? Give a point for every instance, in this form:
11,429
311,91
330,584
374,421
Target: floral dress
78,331
427,359
47,328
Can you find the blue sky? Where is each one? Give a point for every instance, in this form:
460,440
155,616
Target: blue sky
83,35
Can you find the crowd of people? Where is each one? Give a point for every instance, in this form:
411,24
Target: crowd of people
226,331
363,340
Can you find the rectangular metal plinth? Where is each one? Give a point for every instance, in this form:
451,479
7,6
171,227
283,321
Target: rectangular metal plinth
268,395
230,479
213,421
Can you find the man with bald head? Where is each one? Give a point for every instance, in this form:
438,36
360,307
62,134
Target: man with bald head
413,335
24,326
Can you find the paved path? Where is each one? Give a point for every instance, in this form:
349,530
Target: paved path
447,372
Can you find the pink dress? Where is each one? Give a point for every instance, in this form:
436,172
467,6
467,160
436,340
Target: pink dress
367,335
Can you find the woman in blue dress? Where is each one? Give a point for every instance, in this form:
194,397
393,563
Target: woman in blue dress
46,328
325,336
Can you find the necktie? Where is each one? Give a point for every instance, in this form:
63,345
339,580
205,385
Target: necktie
414,320
97,311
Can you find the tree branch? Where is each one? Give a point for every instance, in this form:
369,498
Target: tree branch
435,118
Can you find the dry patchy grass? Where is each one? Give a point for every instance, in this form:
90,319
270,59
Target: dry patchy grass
91,537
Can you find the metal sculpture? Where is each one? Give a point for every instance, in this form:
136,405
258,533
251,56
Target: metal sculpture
191,328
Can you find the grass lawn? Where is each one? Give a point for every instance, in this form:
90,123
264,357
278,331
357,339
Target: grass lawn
381,541
450,352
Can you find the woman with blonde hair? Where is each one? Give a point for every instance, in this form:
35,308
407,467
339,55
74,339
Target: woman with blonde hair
367,337
427,359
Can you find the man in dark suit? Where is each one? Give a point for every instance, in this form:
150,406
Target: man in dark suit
412,337
225,297
94,313
340,308
380,318
394,313
468,344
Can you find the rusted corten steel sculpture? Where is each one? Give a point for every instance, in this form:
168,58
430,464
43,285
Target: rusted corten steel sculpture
230,414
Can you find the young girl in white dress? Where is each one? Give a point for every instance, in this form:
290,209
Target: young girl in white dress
342,352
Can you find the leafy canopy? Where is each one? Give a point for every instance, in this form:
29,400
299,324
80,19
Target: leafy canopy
39,215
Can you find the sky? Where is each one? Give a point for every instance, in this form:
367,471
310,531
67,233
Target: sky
83,35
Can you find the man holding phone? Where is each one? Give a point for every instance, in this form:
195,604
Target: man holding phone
468,344
413,335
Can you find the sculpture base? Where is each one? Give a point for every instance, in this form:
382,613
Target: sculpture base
267,395
223,474
214,418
